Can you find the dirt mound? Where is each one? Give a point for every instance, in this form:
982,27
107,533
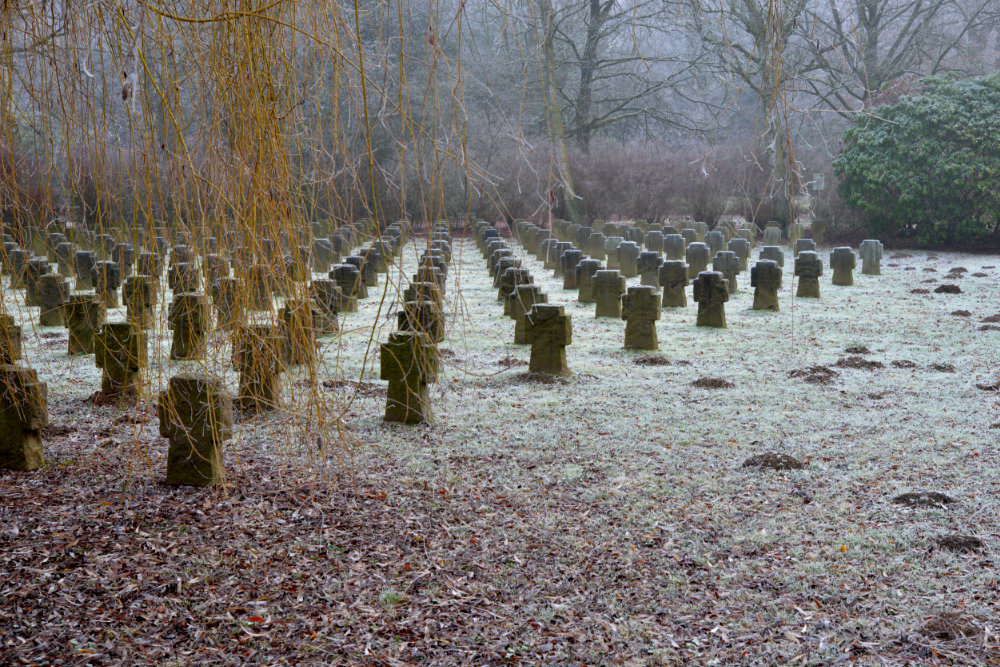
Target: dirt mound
951,625
989,327
539,378
980,274
942,368
947,288
930,269
961,313
958,269
992,318
900,255
923,499
910,268
651,360
814,374
857,349
929,280
859,363
508,362
774,461
904,363
712,383
920,290
445,353
989,387
961,543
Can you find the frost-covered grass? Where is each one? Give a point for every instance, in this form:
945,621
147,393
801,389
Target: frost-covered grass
614,501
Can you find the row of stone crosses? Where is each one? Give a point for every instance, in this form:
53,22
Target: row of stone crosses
196,412
671,260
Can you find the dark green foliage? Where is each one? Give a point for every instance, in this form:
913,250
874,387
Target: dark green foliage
928,166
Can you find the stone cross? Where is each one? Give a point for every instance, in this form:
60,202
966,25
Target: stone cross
423,316
65,256
570,258
190,318
674,245
585,272
690,236
107,278
654,241
227,297
327,301
548,330
409,362
804,245
258,357
182,278
697,258
711,293
765,278
298,327
701,229
501,267
648,266
123,255
628,256
140,294
84,262
36,268
640,310
196,415
773,253
808,269
11,339
524,297
772,235
595,246
23,415
673,281
510,279
611,244
348,278
120,350
368,271
741,247
84,314
554,259
609,287
728,264
18,267
51,293
871,257
842,261
715,241
148,264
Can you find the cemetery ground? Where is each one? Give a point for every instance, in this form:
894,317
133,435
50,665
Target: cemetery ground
602,518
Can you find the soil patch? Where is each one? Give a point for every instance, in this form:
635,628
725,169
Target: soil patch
920,290
712,383
961,313
774,461
857,349
539,378
910,268
923,499
508,362
814,374
363,388
989,327
980,274
900,255
947,288
989,387
859,363
950,625
904,363
958,269
992,318
961,543
929,280
942,368
930,269
651,360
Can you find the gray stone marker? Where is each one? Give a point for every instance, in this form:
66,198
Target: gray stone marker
690,236
674,246
765,278
299,328
741,248
84,315
728,264
871,257
843,261
773,253
423,316
585,272
808,269
648,266
258,356
107,278
196,415
327,300
609,287
190,319
11,339
51,293
715,241
640,310
611,244
548,330
804,245
711,294
570,258
140,294
654,241
120,351
772,236
697,256
628,256
409,362
524,298
23,415
673,281
595,246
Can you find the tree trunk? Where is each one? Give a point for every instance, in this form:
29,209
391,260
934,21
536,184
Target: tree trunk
557,130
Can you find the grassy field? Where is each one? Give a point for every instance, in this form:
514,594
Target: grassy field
600,519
